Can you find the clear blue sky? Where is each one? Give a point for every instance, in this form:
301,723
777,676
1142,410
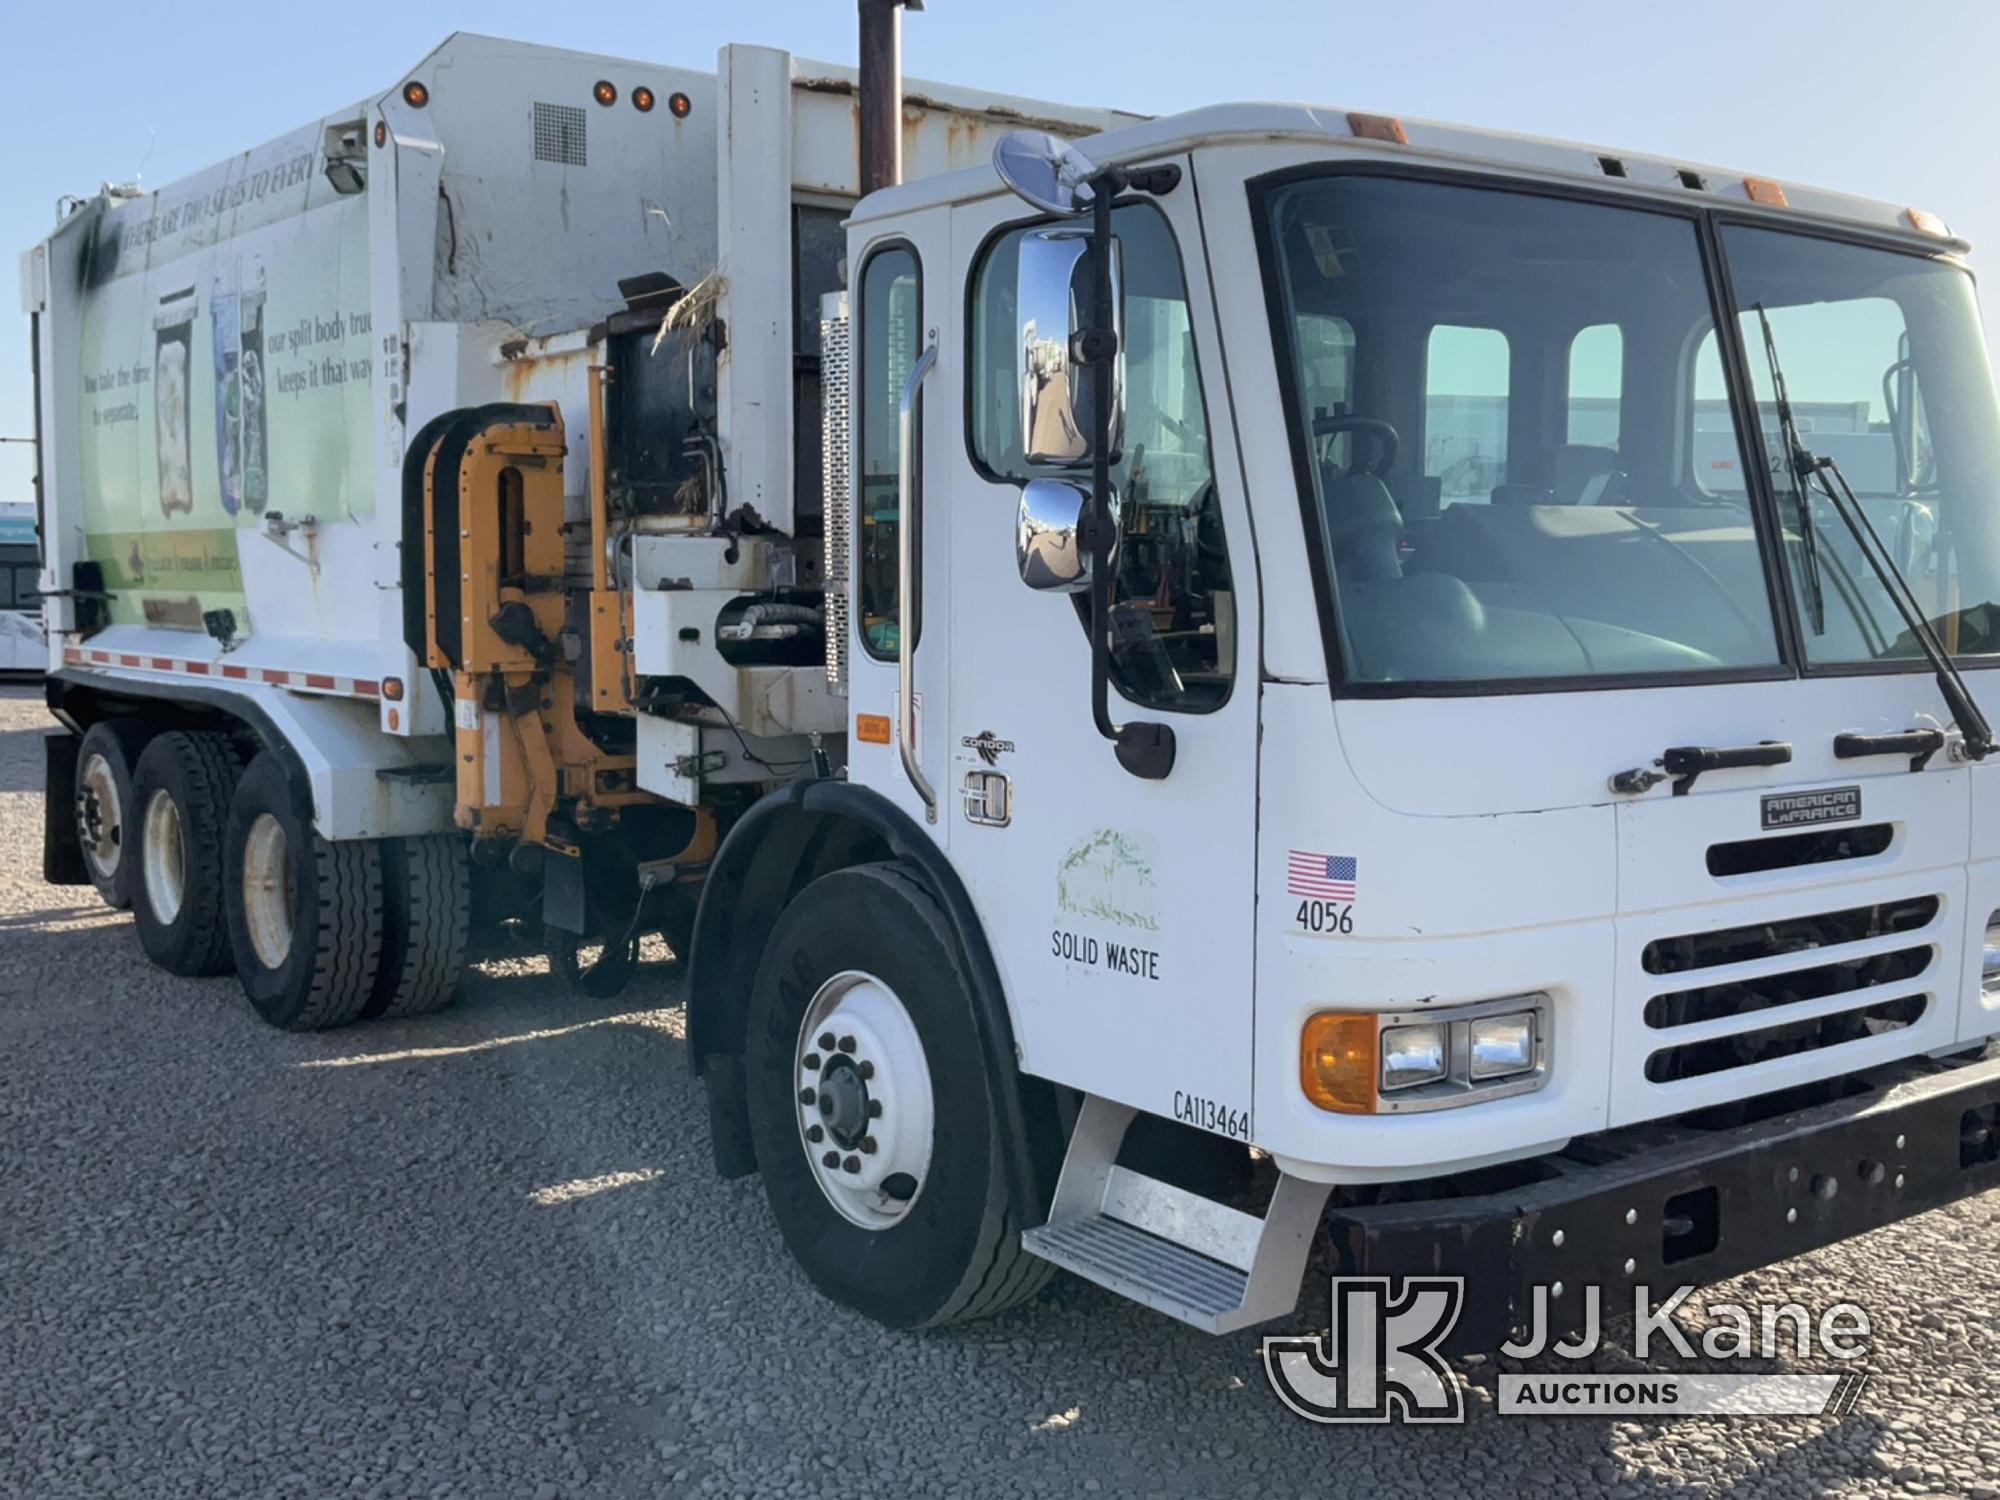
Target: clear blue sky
1892,101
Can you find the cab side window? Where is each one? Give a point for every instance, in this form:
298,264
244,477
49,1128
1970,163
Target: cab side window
891,333
1173,617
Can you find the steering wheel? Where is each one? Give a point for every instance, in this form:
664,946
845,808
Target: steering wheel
1386,439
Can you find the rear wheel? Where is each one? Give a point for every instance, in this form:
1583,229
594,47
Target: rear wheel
426,914
304,914
106,818
871,1109
181,789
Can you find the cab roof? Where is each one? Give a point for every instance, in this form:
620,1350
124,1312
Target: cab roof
1353,135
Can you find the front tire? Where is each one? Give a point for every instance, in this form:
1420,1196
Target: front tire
180,795
862,1029
106,816
305,914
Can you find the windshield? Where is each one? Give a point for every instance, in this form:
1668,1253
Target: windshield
1518,440
1888,377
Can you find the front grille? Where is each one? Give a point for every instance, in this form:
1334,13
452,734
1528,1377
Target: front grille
1767,1044
1740,997
1792,985
1735,945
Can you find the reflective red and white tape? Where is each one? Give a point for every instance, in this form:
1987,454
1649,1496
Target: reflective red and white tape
298,682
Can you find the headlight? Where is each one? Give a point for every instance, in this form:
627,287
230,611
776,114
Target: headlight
1989,959
1359,1062
1502,1046
1412,1055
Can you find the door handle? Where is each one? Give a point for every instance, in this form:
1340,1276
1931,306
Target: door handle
1919,744
1685,762
906,574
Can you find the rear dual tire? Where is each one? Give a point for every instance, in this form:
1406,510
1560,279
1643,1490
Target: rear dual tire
325,932
181,791
106,817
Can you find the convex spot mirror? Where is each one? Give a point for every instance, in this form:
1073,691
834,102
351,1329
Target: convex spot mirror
1044,170
1048,536
1052,299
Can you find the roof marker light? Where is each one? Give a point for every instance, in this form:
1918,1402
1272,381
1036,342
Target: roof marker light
679,106
604,91
1763,190
642,99
415,94
1377,128
1925,222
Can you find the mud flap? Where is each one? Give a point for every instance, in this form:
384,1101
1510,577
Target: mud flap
62,851
563,901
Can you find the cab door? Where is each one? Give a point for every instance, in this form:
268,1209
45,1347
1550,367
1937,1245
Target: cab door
1119,908
898,308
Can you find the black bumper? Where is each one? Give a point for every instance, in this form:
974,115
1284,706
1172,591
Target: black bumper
1670,1204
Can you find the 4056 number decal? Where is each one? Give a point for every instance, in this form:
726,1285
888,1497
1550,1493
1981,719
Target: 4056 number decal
1326,916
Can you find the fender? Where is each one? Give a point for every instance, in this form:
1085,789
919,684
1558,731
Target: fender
762,863
363,784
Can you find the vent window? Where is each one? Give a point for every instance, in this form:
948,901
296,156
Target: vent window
559,134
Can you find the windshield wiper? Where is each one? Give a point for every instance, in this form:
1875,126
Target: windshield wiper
1807,466
1800,461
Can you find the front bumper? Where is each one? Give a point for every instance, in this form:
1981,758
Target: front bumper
1673,1203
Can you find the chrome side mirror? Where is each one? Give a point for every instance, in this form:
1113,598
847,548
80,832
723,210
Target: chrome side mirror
1051,291
1048,536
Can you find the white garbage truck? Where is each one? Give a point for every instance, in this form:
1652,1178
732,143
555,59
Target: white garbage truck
1192,688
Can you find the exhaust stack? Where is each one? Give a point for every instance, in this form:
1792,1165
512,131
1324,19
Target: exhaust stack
882,92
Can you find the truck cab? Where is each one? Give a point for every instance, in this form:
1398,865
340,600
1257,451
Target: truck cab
1550,760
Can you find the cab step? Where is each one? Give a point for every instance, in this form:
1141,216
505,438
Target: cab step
1213,1267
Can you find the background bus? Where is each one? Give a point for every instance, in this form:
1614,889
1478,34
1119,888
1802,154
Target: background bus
21,643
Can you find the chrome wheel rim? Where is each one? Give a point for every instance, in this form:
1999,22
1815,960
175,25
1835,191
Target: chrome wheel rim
865,1109
166,858
99,816
267,890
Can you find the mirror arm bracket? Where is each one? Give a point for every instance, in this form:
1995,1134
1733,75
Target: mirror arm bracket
1144,749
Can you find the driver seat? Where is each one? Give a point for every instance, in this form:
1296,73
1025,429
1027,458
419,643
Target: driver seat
1365,528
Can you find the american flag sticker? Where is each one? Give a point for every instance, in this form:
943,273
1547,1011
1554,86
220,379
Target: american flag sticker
1327,877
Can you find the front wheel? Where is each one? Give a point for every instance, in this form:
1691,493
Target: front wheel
871,1108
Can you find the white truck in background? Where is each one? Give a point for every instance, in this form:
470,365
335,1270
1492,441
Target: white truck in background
22,648
1486,793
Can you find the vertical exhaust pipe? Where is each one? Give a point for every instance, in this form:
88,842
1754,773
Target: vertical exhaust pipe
882,92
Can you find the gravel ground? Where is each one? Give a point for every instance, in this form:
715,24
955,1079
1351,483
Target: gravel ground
485,1254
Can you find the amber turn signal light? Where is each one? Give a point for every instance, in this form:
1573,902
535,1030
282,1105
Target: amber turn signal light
872,729
1338,1061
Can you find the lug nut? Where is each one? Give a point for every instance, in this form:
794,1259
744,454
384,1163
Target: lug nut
831,1159
868,1145
852,1164
826,1041
812,1062
874,1109
847,1044
808,1096
815,1134
865,1068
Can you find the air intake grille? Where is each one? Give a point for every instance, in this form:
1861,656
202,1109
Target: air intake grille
837,504
1799,984
560,131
